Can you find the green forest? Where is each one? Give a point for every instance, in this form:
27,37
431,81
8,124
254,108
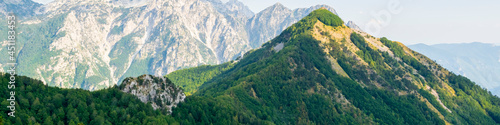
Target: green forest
37,103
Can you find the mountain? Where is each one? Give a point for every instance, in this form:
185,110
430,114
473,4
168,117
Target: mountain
271,21
352,25
479,62
159,91
317,71
94,44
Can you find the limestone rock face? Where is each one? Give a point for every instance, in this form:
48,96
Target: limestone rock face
94,44
270,22
21,8
159,91
352,25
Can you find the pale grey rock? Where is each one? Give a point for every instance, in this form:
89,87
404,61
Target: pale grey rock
352,25
159,91
278,47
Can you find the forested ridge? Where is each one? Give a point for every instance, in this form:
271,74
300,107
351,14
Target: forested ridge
37,103
325,74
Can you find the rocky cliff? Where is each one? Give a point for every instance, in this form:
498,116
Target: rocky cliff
159,91
21,8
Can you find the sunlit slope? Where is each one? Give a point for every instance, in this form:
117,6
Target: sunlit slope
319,71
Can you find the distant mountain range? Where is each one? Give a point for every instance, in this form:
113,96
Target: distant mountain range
93,44
479,62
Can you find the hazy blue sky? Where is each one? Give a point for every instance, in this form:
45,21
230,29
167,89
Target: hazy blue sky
412,21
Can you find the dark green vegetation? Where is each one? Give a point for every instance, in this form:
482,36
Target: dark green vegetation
192,78
325,16
122,52
473,101
38,103
306,24
299,84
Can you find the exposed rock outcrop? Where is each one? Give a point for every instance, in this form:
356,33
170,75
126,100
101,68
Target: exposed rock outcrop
159,91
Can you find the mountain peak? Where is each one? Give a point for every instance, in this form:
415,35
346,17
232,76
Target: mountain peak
308,23
22,8
278,5
312,8
352,25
